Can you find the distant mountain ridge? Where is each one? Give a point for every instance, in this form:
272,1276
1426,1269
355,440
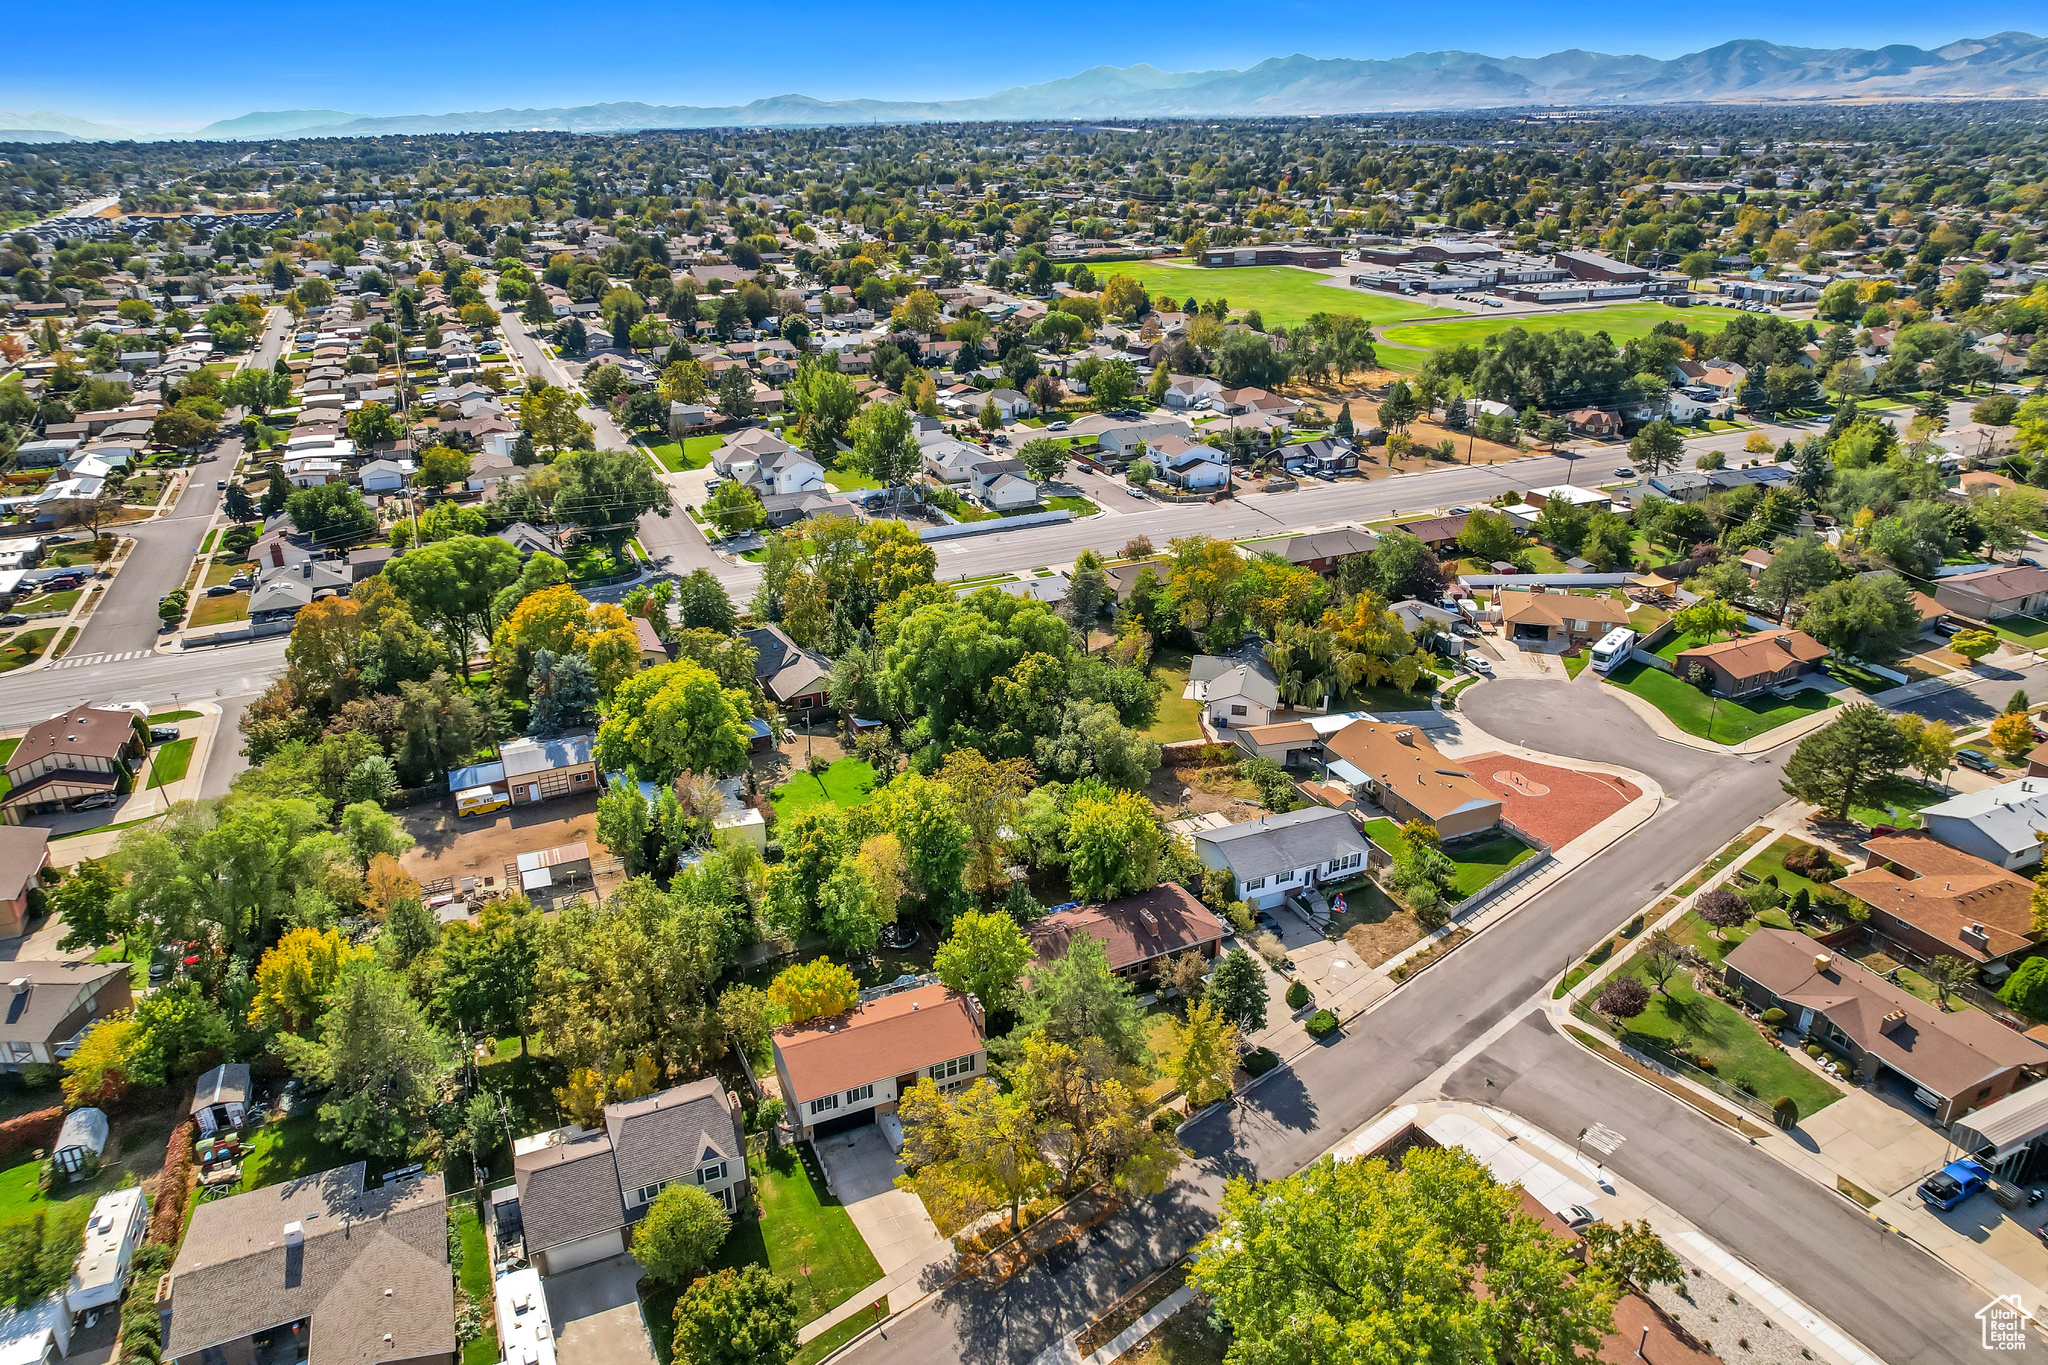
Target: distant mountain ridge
1747,70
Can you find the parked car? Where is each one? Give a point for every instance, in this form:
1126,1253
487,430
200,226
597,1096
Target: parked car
1953,1183
98,802
1970,758
1135,492
1055,426
13,618
162,734
241,580
1578,1216
1479,665
220,485
220,590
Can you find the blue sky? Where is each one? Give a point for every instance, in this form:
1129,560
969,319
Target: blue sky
167,66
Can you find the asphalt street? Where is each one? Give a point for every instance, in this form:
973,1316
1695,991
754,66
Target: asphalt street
1976,703
1301,1112
1895,1299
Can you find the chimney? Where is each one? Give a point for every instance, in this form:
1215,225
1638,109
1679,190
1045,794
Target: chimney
1891,1022
294,1234
1823,961
1976,936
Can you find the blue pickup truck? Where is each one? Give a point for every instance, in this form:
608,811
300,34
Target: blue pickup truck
1953,1183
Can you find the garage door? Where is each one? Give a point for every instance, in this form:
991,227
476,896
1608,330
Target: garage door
569,1255
845,1123
553,784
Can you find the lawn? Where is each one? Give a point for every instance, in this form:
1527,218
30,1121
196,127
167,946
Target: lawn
219,611
1623,323
1771,863
807,1240
172,717
845,480
285,1149
1179,717
1895,801
1574,664
476,1282
1721,720
845,784
1386,699
171,762
692,452
1701,1025
1283,294
220,571
54,601
1066,502
1478,863
2030,631
25,648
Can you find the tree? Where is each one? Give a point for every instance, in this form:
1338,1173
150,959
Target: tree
1622,998
736,1317
1399,408
674,718
2026,990
1490,537
974,1151
182,428
1201,1055
850,911
296,977
1707,618
734,509
1799,566
86,902
2012,734
735,394
1723,910
622,825
1661,961
549,415
455,583
381,1062
1350,1262
1868,617
986,794
983,957
101,1068
680,1233
1045,458
815,989
885,444
441,466
702,604
1657,448
1631,1254
1113,844
1945,973
1237,991
1078,997
1835,766
606,492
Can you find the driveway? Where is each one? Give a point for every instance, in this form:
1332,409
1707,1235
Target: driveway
595,1313
862,1172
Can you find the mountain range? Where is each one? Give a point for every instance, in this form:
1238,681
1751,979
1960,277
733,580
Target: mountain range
1748,70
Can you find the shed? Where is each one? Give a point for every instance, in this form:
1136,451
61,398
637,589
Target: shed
221,1097
83,1135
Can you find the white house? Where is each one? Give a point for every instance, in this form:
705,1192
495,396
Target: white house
1186,390
385,476
1003,486
1272,857
1189,464
839,1073
1998,824
1233,692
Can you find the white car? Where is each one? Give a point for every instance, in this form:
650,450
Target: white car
1479,666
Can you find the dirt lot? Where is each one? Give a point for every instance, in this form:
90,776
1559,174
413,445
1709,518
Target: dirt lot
1217,789
481,846
1556,805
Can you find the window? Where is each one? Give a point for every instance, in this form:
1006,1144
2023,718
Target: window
707,1174
1236,710
946,1070
1255,884
860,1093
582,777
646,1193
825,1104
1282,878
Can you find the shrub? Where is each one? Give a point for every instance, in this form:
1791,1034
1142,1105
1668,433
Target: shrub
1297,994
1321,1024
26,1132
1634,927
1813,1051
1623,997
1774,1016
1165,1120
1259,1061
1785,1110
171,1187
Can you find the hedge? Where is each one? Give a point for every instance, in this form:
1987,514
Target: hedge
169,1219
24,1133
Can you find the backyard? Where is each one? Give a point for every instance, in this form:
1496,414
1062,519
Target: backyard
475,1279
1283,295
1771,863
846,784
1721,720
1478,861
285,1149
1179,717
807,1240
1682,640
692,452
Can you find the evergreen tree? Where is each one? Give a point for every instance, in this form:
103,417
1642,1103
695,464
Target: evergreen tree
1344,427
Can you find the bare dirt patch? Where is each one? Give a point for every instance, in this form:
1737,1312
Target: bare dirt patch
1215,789
449,847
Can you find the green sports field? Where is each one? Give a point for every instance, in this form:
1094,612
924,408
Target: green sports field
1283,295
1403,345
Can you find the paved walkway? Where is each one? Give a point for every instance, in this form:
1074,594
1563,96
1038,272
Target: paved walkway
861,1172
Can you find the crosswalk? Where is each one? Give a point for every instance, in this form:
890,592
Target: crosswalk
86,660
1601,1138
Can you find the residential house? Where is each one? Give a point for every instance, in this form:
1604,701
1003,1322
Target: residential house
384,476
24,858
796,679
839,1073
50,1005
1437,533
1416,617
281,594
652,650
1004,485
1287,742
530,540
541,769
1953,1063
1138,933
1010,404
1409,777
369,561
1187,390
1749,664
1997,824
950,461
1124,575
1240,401
87,751
1233,692
1325,457
581,1191
1188,464
1594,422
1120,441
779,473
318,1269
1591,499
1537,617
1989,594
1277,855
1323,551
1939,901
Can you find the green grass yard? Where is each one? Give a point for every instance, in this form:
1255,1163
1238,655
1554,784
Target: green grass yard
25,648
285,1149
476,1281
1623,322
219,611
1771,863
846,784
1080,507
1896,801
1478,863
171,762
1282,294
1723,721
692,452
846,480
1179,717
2030,631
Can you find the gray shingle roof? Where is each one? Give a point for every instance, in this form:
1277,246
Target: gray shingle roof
568,1191
662,1136
236,1275
1282,843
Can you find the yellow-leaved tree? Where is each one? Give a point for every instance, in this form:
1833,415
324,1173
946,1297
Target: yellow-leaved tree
295,978
814,990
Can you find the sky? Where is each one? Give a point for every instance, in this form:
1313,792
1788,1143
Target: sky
164,68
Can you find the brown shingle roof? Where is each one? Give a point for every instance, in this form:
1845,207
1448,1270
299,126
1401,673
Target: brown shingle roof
1401,759
887,1037
1944,892
1759,655
1519,608
1132,930
86,730
1948,1054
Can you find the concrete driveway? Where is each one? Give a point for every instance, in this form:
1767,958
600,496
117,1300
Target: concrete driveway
862,1172
595,1313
